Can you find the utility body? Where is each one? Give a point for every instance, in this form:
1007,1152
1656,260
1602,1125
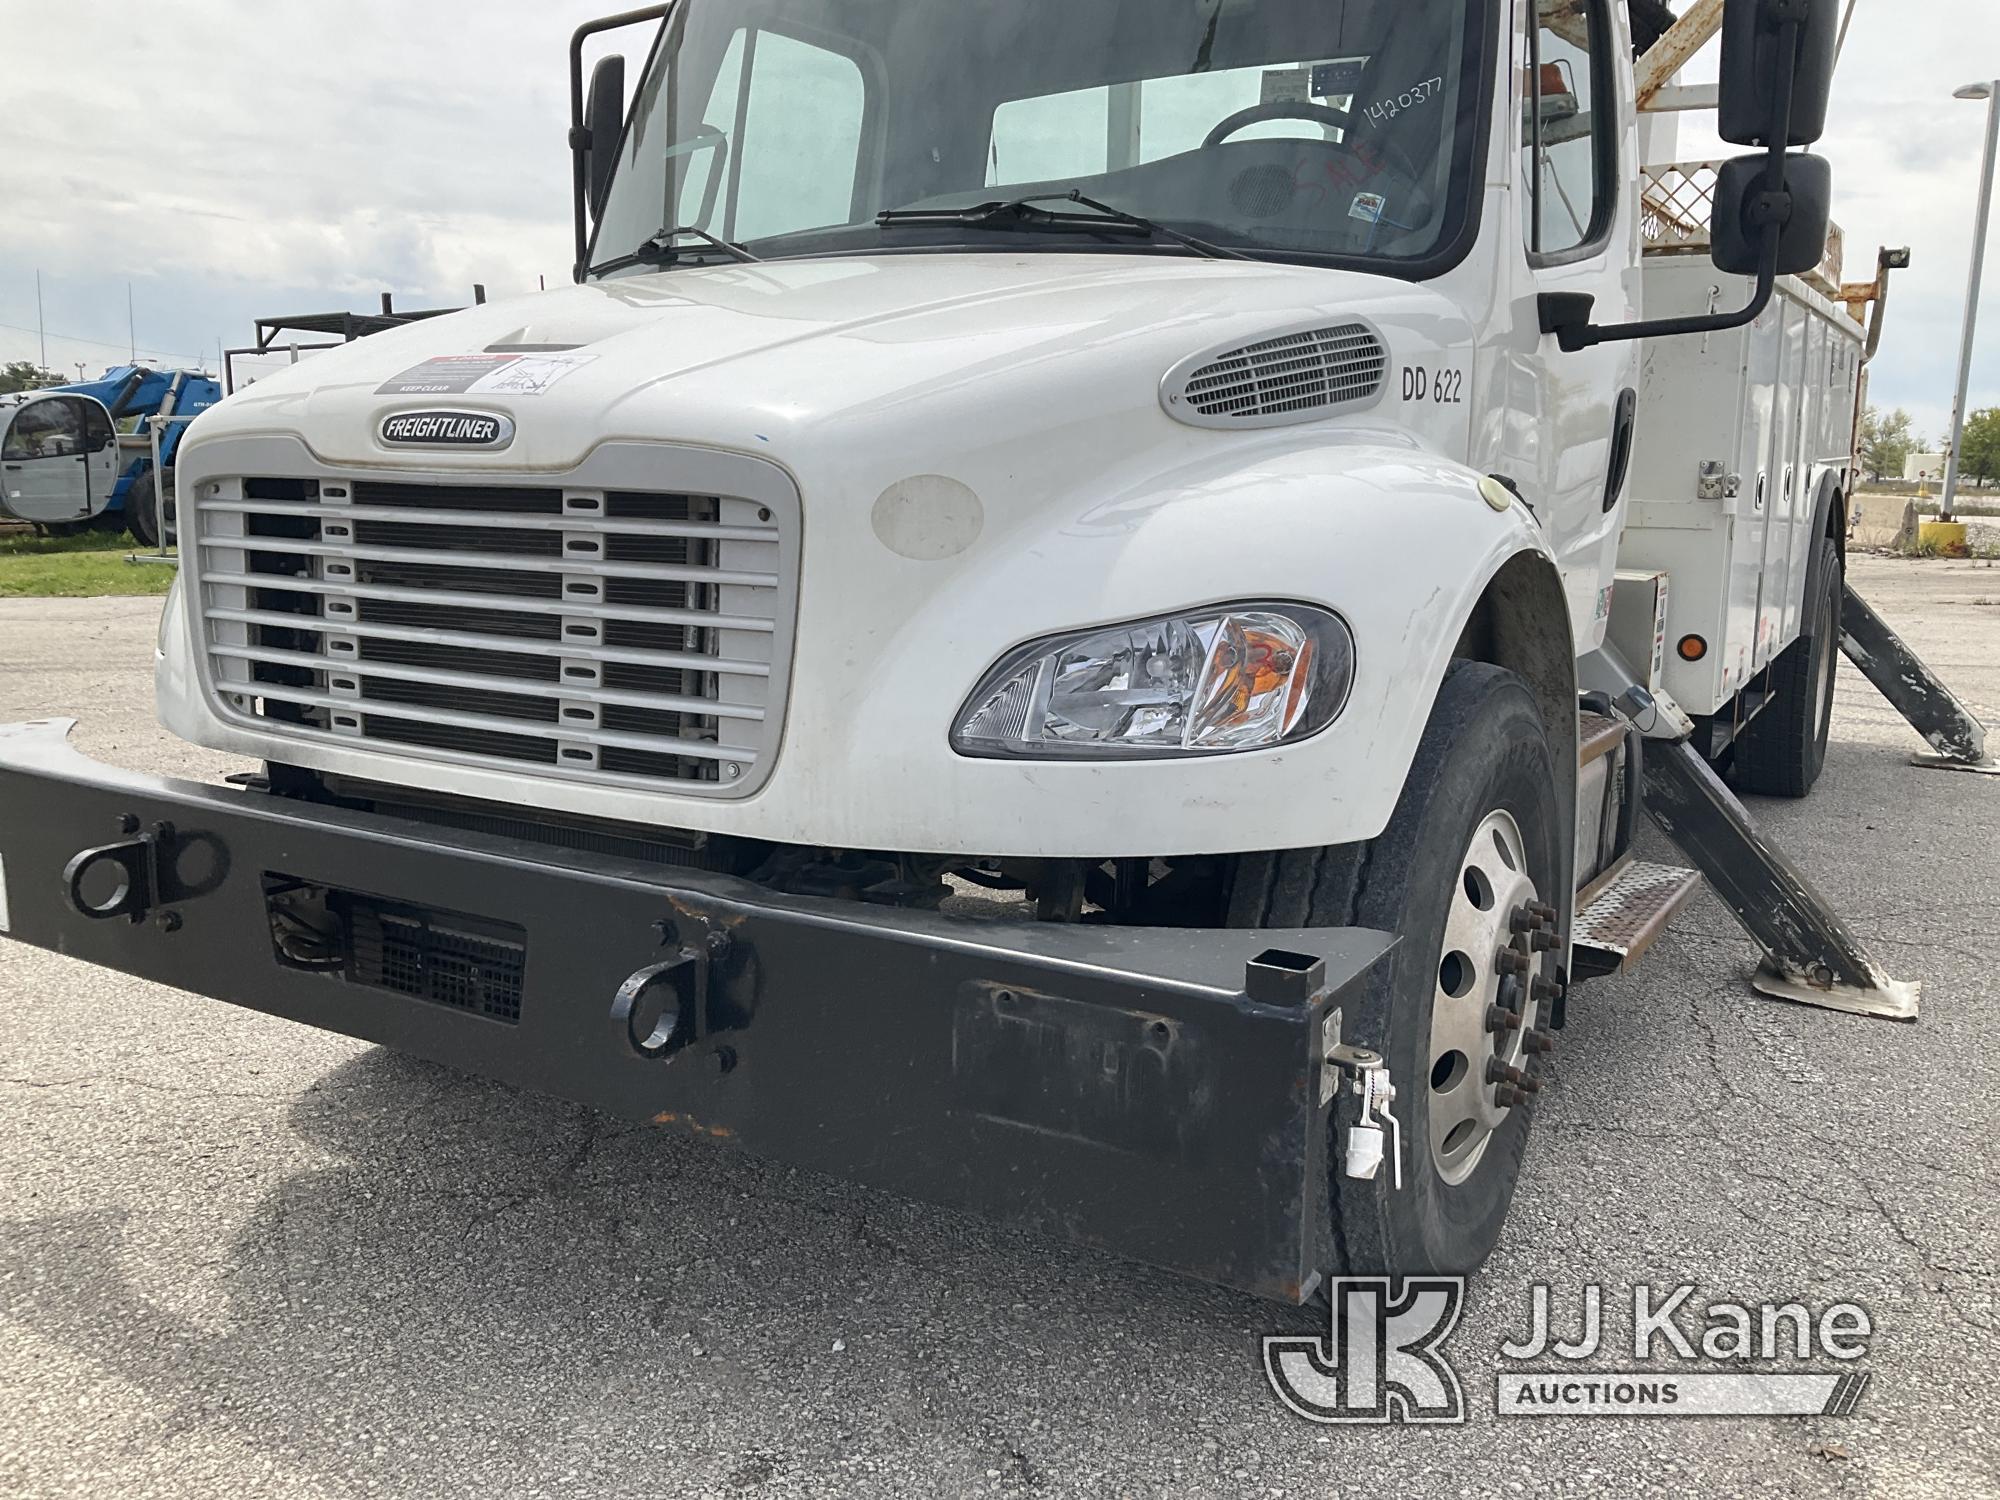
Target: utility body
1044,626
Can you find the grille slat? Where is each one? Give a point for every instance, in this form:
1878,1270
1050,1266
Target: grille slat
603,635
519,606
403,559
389,671
456,719
664,660
634,527
1278,379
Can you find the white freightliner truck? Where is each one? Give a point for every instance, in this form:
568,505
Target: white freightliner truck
1042,627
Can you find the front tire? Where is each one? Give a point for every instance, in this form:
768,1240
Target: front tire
1477,837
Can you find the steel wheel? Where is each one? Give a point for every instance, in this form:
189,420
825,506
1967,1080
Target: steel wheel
1471,1050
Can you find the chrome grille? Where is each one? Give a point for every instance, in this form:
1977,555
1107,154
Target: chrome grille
609,635
1292,377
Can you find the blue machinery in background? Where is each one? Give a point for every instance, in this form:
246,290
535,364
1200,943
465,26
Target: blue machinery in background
100,453
154,396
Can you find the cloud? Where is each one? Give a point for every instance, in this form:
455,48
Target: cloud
239,161
231,160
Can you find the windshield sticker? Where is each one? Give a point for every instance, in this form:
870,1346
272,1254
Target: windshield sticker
484,375
1287,86
1339,79
1368,207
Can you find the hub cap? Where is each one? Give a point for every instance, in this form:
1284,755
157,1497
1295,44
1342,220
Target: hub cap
1492,888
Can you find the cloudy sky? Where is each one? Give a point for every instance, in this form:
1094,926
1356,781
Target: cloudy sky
230,159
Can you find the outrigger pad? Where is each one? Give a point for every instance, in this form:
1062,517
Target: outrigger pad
1810,955
1987,767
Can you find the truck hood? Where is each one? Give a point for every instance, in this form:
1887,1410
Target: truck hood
752,357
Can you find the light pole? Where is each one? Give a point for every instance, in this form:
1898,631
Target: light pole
1991,93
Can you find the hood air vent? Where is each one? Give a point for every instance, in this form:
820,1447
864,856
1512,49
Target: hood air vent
1291,377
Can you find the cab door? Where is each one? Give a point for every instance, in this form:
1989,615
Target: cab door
50,455
1578,234
100,443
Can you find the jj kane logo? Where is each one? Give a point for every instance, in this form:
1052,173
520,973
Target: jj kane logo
1380,1361
448,429
1382,1358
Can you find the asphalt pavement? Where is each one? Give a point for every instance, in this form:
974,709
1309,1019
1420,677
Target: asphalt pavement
239,1257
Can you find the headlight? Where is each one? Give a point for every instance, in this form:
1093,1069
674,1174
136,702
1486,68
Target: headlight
1242,677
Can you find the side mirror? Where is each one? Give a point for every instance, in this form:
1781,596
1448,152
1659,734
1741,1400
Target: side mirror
1744,210
1754,34
604,122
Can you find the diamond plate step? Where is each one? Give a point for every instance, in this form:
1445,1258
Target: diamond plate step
1628,915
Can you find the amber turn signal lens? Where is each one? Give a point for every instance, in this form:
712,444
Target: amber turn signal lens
1693,648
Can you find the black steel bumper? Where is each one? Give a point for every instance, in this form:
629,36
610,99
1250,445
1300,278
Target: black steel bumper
1156,1093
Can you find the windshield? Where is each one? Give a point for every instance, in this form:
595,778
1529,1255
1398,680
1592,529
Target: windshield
1319,129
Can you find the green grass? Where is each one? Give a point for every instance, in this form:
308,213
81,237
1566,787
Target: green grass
84,566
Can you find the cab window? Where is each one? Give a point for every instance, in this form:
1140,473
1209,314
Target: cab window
781,140
1566,129
49,428
1115,127
98,433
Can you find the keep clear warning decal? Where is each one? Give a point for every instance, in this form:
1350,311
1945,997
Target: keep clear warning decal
484,375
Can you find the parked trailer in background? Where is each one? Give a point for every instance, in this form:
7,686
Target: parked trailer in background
1162,472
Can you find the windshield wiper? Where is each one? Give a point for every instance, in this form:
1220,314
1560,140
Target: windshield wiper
1021,213
662,250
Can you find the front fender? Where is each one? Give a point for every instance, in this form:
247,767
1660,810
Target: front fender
1401,544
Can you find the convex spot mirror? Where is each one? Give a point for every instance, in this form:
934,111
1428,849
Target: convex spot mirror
1753,59
1742,209
604,118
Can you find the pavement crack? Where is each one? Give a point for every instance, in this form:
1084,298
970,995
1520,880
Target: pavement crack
95,1080
565,1172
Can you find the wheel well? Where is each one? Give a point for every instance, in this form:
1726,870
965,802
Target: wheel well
1522,623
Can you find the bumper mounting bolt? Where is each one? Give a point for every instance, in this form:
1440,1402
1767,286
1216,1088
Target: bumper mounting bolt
168,921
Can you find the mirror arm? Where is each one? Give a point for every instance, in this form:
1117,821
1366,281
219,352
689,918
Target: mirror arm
1567,314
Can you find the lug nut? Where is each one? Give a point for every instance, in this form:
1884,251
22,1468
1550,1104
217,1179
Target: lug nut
1512,961
1507,1096
1543,910
1541,988
1538,1042
1499,1018
1544,941
1528,1084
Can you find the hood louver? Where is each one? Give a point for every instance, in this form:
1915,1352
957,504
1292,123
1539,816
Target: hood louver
1291,377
